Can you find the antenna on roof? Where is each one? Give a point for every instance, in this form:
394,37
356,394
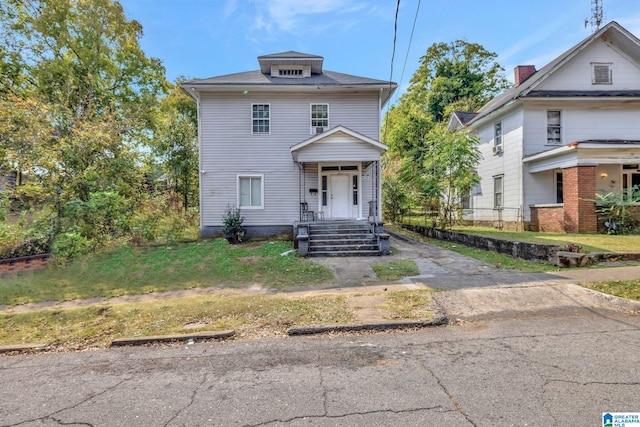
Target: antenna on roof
596,15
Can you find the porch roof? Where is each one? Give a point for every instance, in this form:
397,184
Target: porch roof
338,144
585,153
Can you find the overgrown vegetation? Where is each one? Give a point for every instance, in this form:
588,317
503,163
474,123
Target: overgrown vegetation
232,227
92,132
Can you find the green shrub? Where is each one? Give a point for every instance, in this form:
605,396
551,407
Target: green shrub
68,246
233,229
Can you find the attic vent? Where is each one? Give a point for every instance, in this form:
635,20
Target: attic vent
601,74
290,73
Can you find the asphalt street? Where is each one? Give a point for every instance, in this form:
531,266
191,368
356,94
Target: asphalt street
562,368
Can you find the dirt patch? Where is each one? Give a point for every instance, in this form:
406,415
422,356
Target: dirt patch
365,307
250,259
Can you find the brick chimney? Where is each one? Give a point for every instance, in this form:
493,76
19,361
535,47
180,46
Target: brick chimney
522,73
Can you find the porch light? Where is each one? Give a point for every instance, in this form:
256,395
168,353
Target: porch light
603,175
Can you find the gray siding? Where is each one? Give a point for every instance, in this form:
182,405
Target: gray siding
228,148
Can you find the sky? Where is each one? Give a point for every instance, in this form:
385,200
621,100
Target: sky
207,38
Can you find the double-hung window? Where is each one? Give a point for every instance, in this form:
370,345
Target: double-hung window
319,117
260,119
497,191
554,127
250,191
497,138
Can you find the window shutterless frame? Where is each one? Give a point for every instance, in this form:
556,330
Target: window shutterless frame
498,189
260,119
250,191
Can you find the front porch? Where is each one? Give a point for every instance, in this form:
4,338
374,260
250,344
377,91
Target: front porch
579,173
339,189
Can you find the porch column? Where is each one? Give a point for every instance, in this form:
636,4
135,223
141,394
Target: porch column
579,192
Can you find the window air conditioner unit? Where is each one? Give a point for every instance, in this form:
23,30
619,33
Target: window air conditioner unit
319,129
497,149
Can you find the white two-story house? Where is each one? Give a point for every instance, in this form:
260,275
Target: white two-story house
562,134
289,142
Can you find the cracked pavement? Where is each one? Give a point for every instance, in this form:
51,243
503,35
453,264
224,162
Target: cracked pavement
562,368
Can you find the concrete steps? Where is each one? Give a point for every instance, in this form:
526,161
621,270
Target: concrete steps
342,238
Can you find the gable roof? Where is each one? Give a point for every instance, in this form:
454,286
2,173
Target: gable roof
612,30
340,129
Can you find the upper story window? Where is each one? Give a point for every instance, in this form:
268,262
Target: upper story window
319,117
260,118
497,138
554,127
601,73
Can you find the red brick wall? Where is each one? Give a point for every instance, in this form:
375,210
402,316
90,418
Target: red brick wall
579,189
547,219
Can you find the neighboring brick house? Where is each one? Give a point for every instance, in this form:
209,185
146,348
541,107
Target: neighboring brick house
559,136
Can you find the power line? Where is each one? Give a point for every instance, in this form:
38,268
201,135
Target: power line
415,19
395,36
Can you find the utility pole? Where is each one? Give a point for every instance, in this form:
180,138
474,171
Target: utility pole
596,15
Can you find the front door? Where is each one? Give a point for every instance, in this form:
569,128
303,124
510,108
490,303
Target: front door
339,189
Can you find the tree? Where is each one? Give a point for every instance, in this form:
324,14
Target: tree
436,166
460,74
449,170
82,60
176,143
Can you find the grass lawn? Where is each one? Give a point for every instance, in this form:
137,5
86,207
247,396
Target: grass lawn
97,326
629,289
588,242
394,270
133,271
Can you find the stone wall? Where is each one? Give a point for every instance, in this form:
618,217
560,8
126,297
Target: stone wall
522,250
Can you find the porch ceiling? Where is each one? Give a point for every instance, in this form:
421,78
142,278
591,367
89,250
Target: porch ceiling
585,153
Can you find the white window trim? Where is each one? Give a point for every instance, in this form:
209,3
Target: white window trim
252,118
501,192
593,73
261,176
312,129
561,127
498,147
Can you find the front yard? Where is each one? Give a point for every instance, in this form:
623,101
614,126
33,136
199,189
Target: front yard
134,271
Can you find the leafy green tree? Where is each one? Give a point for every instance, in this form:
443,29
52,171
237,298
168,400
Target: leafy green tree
176,143
449,170
460,74
436,166
82,60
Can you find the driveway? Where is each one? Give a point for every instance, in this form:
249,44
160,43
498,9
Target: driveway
478,290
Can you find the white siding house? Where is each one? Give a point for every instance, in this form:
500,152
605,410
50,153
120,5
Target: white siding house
286,136
559,136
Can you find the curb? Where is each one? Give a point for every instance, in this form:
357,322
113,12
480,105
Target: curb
172,338
22,347
378,326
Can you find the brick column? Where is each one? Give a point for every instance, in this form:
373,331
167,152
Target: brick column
579,191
